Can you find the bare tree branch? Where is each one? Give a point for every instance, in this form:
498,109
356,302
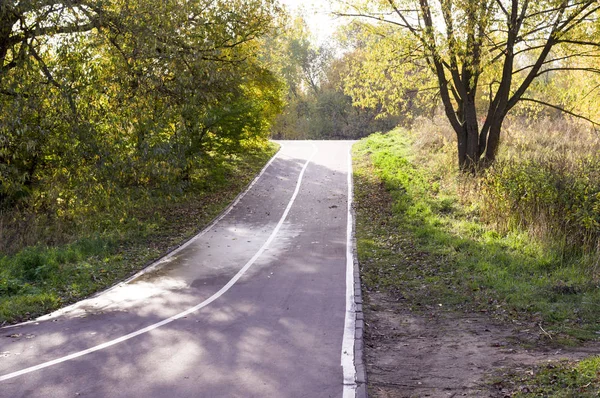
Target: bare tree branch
582,69
579,42
568,112
589,54
379,19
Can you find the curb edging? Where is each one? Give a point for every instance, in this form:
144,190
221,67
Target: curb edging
359,363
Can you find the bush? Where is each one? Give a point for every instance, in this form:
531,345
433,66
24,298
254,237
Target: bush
420,232
553,197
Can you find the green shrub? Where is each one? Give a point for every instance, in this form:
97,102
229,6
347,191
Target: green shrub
420,232
554,198
9,287
33,264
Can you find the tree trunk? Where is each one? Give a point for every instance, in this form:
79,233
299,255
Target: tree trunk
468,160
461,137
492,142
7,20
478,149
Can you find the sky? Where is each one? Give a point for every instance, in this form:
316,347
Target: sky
318,16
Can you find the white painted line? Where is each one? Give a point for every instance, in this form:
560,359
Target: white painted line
215,221
160,261
348,367
184,313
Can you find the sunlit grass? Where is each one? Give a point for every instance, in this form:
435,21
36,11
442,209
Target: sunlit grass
111,246
556,380
416,235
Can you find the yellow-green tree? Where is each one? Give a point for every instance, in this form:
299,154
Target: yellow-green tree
490,50
316,105
112,93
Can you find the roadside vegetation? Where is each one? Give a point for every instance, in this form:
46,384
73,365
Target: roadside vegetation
50,262
486,204
518,241
558,380
124,128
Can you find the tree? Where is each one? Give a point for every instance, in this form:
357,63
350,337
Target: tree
492,50
97,94
301,65
382,73
317,107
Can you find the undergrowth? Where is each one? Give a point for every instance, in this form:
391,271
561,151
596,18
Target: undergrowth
51,259
547,182
557,380
421,238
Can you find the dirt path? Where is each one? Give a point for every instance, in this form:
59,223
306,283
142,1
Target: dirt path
435,353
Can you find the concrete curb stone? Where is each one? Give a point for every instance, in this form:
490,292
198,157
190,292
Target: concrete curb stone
361,371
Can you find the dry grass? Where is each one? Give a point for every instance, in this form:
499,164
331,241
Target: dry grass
549,137
521,138
546,180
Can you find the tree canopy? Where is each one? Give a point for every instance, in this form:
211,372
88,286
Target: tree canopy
316,105
484,57
96,94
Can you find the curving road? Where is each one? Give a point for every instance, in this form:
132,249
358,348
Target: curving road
258,305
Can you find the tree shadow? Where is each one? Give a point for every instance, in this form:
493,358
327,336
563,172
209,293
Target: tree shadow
277,332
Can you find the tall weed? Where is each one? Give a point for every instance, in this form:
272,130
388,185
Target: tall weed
554,198
546,180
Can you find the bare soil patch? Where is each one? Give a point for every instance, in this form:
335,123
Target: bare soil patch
440,353
452,307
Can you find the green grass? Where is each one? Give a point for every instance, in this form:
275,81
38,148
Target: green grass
557,380
41,278
418,241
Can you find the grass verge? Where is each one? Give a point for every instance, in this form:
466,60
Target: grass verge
42,278
419,239
557,380
421,245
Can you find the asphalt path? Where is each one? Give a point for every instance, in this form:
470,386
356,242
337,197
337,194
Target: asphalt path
257,305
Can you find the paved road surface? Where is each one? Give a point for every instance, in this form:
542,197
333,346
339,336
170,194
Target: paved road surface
253,307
